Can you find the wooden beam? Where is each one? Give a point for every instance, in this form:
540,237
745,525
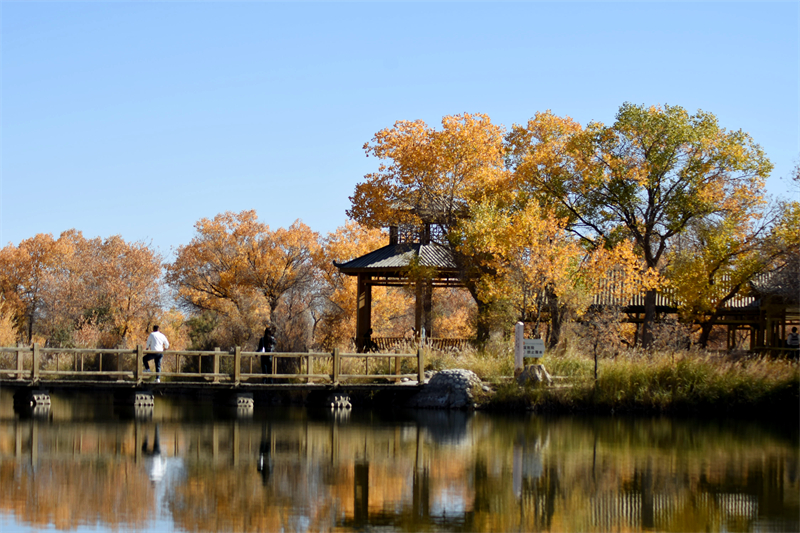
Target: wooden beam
363,309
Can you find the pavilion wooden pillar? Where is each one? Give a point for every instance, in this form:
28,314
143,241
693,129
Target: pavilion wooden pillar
364,310
427,307
423,307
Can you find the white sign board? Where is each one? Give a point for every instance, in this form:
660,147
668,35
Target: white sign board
533,348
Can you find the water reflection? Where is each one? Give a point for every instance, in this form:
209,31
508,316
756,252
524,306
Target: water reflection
156,463
299,470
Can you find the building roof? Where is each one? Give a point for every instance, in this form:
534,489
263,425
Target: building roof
395,257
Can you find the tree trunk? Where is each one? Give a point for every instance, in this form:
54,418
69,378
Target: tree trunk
483,328
649,318
705,332
30,328
555,318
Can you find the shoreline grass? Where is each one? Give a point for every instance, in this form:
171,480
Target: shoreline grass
688,382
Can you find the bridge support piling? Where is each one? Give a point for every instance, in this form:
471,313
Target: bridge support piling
138,404
339,400
238,404
242,399
30,402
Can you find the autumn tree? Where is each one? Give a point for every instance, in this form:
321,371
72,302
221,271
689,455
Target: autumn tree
534,262
281,262
454,313
56,287
108,284
8,331
126,278
759,258
238,268
526,257
425,170
646,178
716,259
23,276
433,174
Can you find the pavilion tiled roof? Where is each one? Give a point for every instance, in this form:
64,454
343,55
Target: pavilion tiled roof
394,257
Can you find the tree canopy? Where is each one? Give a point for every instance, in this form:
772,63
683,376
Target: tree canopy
646,177
104,288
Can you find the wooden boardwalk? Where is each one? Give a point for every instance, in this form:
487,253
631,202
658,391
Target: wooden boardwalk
85,368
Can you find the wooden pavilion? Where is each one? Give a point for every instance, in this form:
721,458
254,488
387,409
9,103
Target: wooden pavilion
411,247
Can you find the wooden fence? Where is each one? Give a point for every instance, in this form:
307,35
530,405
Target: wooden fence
36,364
615,290
435,343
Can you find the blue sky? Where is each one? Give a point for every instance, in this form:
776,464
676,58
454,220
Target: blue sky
139,119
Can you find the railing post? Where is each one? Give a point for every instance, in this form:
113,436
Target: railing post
237,365
336,361
139,366
19,363
216,365
35,366
420,366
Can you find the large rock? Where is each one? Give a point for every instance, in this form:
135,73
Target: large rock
448,389
533,375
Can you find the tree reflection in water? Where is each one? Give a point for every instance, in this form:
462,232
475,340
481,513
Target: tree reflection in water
425,470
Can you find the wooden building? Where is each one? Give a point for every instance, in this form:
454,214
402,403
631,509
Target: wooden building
415,256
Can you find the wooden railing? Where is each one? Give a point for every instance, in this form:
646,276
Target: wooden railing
615,284
435,343
36,364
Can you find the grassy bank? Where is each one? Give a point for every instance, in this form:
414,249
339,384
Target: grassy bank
686,382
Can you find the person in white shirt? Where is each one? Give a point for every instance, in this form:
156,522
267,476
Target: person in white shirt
157,342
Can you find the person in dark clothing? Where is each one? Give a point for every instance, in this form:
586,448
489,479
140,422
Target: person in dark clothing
369,344
267,344
793,342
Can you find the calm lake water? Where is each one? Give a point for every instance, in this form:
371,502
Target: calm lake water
87,465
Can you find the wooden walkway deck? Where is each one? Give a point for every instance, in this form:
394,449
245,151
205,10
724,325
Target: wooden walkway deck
73,367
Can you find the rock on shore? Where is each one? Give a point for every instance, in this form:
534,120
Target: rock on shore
448,389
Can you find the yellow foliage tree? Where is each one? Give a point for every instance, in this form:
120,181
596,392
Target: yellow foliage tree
433,176
428,171
645,178
58,287
23,275
719,258
238,268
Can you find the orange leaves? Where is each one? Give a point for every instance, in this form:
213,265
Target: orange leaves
65,284
8,330
524,249
437,172
237,267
